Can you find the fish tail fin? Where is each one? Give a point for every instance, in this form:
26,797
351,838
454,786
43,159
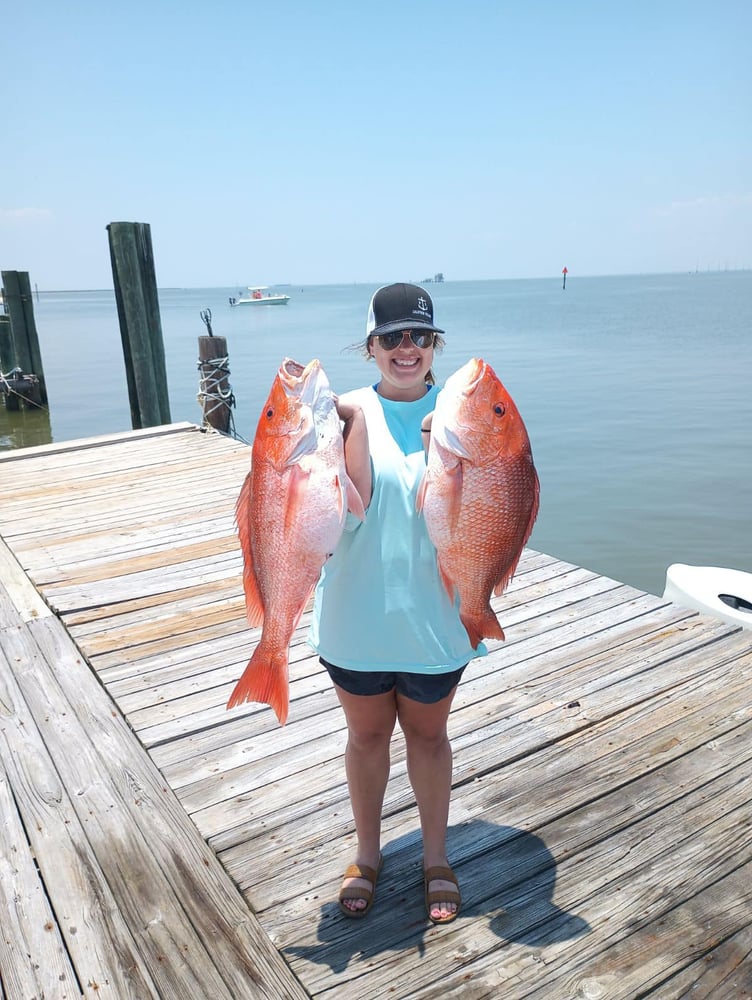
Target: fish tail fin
266,680
485,625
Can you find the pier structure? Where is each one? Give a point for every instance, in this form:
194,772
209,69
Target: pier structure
155,844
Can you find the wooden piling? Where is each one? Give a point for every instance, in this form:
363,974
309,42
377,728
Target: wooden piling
140,324
7,360
215,394
24,340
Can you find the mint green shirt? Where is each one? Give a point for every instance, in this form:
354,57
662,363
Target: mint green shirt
380,603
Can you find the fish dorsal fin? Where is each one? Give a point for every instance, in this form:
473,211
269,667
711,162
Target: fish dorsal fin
506,578
253,603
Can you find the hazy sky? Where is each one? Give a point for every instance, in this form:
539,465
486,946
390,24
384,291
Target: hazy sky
319,142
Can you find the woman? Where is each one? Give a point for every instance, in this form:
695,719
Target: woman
383,624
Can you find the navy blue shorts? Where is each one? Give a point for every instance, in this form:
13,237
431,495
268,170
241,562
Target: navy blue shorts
425,688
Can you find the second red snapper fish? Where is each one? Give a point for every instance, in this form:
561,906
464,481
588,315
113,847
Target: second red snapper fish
480,492
290,515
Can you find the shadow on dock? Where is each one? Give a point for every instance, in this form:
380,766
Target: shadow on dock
508,882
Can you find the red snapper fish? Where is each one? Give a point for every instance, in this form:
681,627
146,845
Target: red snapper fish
290,515
480,492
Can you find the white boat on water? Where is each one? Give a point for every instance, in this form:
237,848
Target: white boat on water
260,296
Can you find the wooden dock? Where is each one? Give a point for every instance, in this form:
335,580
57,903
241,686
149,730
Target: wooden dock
156,845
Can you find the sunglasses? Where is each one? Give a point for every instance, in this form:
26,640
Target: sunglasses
421,339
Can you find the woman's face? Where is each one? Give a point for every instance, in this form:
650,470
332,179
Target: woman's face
403,369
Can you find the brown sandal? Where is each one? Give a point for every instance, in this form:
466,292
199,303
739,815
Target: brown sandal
441,895
357,892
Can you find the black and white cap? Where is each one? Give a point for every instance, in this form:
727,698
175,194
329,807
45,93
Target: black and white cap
400,307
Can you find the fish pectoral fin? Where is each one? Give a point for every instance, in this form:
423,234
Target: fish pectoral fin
354,499
448,582
420,496
453,496
296,496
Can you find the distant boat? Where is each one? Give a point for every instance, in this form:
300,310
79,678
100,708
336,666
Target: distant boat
259,296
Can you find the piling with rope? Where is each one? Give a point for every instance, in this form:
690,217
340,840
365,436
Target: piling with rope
17,388
215,394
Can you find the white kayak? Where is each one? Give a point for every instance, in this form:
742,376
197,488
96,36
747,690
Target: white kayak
723,593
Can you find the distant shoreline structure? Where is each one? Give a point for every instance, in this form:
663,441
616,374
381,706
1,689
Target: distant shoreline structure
688,272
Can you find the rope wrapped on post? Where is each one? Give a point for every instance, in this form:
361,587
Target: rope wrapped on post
215,393
17,387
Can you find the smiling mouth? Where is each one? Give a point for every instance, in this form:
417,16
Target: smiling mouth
406,362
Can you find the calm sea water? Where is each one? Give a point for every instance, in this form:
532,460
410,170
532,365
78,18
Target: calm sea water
636,392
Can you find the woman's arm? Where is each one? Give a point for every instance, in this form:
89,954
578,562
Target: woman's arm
357,456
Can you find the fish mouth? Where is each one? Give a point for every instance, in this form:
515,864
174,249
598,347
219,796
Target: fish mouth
475,375
305,382
476,369
292,369
294,376
453,434
309,386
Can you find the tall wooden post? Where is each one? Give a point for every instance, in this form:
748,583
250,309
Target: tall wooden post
24,338
140,324
7,357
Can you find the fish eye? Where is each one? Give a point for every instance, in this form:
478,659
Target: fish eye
270,413
500,409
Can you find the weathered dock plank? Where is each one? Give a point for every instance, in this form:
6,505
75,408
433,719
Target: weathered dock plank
600,821
97,938
33,957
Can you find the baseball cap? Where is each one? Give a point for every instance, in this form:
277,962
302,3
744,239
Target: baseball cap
400,307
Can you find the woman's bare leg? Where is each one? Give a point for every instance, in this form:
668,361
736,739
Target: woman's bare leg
370,723
429,766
